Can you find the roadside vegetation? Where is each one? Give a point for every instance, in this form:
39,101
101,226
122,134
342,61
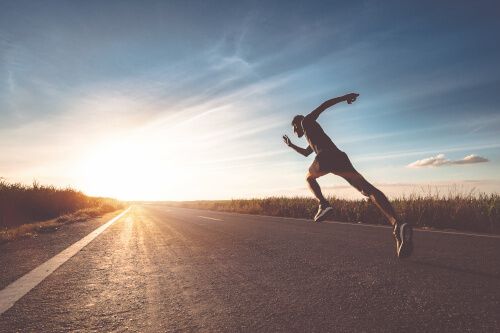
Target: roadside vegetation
460,211
26,210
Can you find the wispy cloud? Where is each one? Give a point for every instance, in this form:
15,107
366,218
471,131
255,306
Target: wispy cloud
440,160
184,112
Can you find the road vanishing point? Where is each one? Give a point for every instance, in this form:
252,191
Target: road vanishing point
164,269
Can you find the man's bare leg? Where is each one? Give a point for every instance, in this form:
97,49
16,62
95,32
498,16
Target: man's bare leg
403,232
315,189
324,206
377,197
312,175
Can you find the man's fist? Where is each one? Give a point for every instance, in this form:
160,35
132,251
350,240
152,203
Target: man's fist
287,140
351,97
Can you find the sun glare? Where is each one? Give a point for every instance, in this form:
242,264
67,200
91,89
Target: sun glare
183,158
124,170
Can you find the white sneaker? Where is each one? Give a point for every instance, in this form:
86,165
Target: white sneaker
323,213
404,239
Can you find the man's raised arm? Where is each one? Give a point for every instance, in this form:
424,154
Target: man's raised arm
331,102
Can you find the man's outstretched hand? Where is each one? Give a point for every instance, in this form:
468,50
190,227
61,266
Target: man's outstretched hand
287,140
351,97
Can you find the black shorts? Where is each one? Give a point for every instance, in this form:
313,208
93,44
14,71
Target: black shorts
335,162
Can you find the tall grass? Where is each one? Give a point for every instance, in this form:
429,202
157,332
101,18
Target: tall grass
460,211
22,206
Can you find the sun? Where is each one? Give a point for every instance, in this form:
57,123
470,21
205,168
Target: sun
121,169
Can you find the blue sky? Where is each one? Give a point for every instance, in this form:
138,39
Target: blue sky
185,100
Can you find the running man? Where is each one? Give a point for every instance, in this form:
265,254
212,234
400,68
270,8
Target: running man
329,159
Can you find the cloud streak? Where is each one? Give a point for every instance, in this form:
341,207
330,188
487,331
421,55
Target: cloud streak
440,160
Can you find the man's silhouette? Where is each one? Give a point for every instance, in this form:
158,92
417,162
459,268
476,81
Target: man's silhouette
329,159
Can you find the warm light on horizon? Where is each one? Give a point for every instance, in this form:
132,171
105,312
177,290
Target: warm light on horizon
127,110
126,170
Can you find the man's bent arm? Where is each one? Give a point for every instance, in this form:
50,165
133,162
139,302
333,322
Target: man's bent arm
331,102
306,152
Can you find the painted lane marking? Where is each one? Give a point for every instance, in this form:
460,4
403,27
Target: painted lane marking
17,289
391,227
416,229
458,233
210,218
366,225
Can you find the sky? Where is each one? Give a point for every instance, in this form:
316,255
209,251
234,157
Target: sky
189,100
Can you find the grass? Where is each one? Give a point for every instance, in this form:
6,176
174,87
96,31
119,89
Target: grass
26,210
470,211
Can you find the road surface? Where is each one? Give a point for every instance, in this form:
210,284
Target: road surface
163,269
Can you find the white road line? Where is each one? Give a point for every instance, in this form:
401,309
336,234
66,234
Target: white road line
17,289
371,225
360,224
458,233
390,227
417,229
210,218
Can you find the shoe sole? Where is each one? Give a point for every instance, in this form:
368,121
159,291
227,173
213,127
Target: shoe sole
324,214
406,248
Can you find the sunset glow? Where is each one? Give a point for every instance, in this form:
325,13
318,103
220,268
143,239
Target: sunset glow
190,101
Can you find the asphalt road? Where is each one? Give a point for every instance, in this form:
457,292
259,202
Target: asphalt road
161,269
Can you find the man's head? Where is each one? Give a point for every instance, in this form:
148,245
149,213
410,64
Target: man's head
297,125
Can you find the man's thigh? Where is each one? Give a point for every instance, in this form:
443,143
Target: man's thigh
337,163
316,170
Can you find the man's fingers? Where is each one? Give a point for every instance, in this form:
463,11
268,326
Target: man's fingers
352,98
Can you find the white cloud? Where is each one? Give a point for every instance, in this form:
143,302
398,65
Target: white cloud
471,159
430,162
440,160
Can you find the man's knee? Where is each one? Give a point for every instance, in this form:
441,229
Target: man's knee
362,185
369,190
310,177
